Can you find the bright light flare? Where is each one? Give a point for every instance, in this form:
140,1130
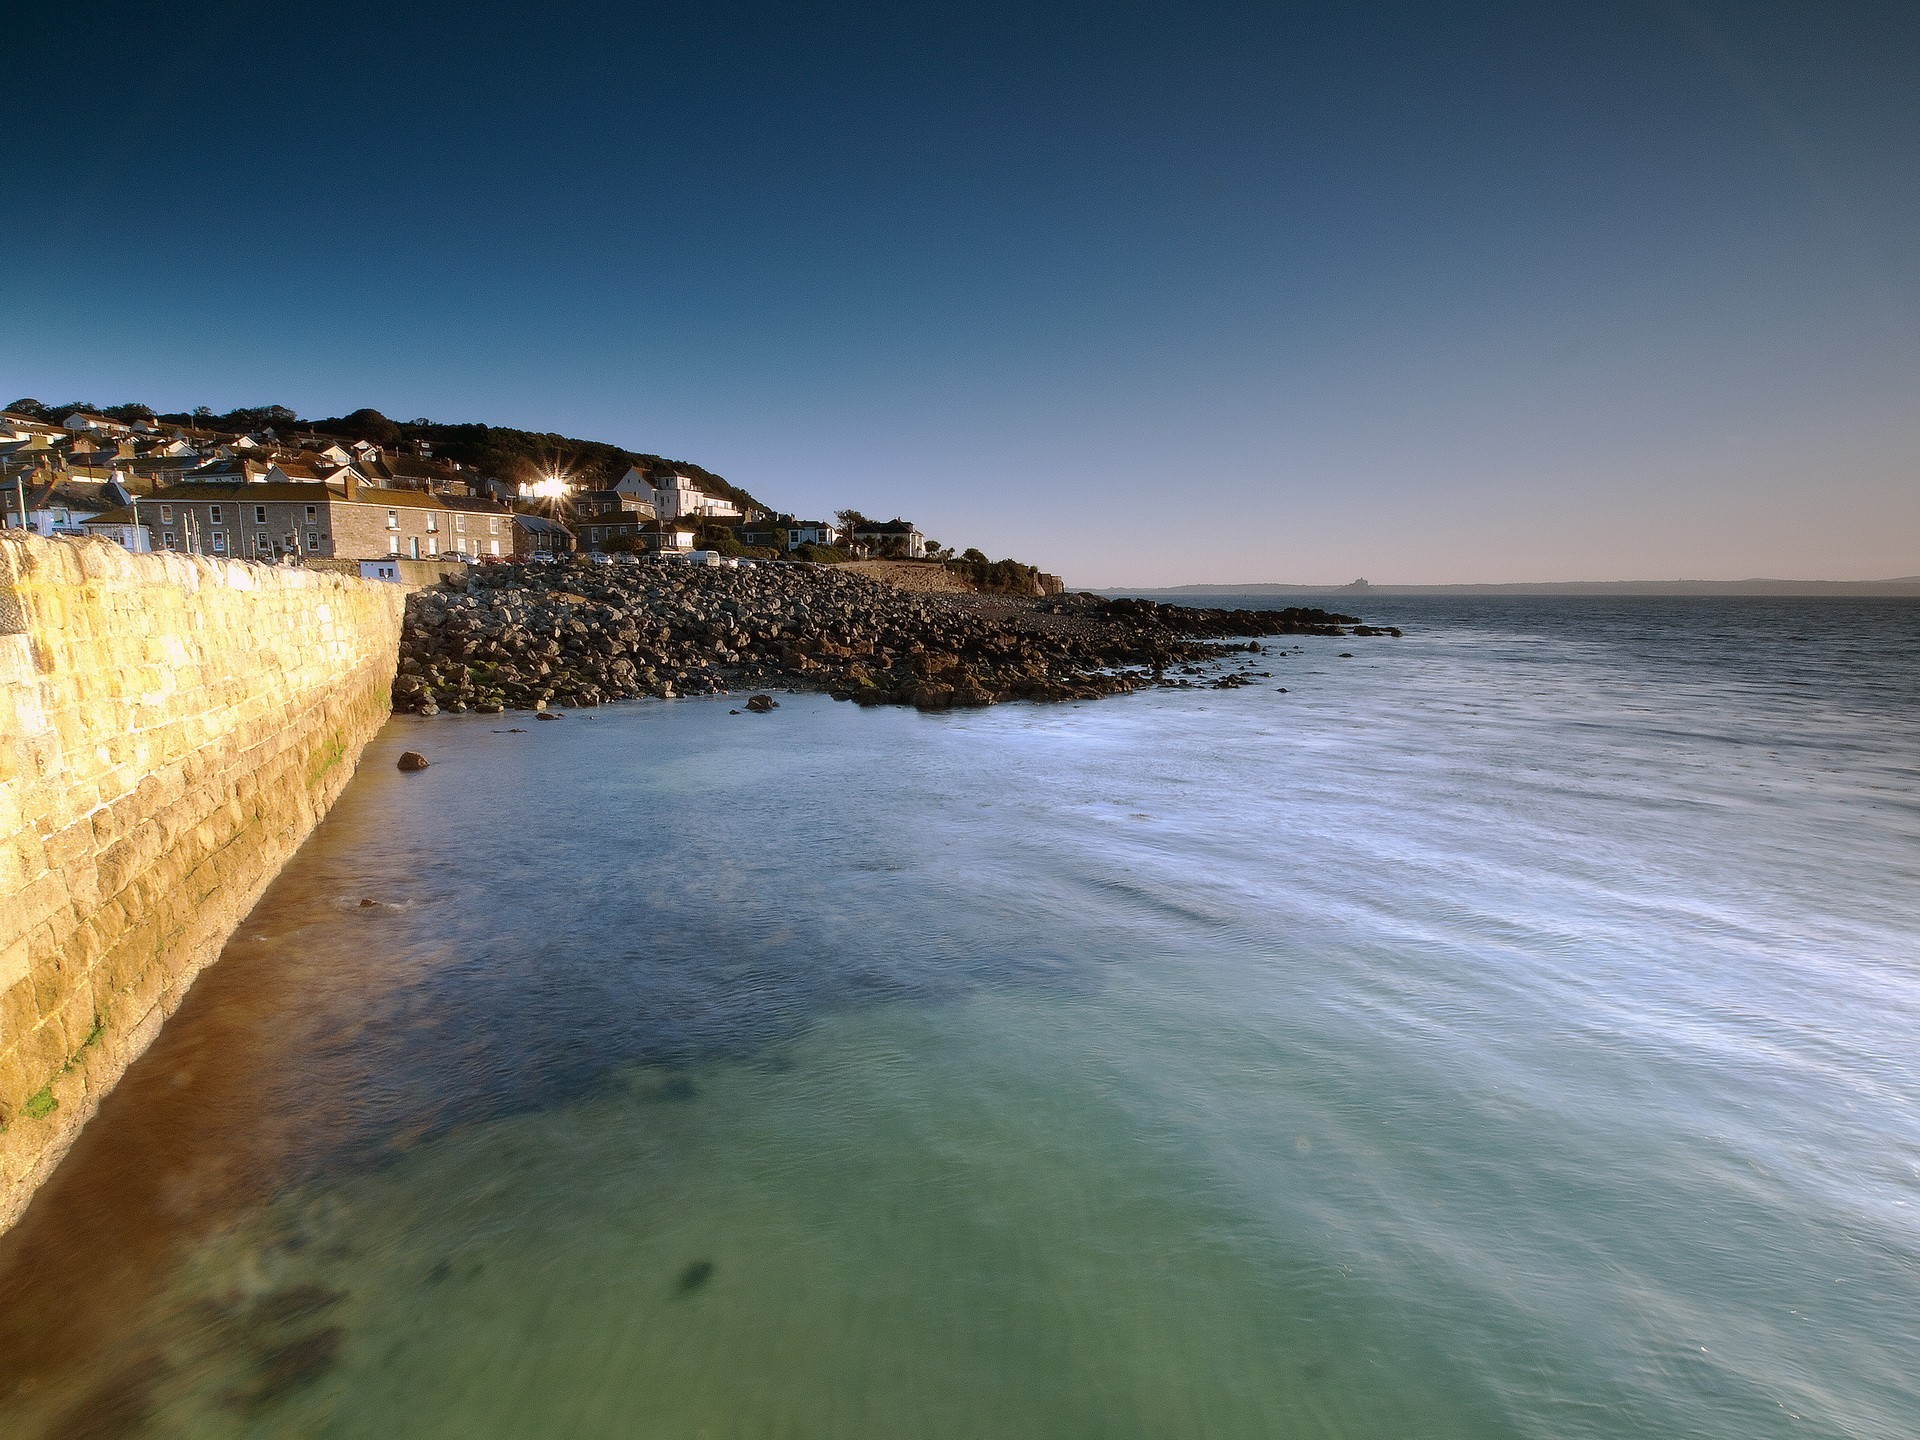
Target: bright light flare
551,488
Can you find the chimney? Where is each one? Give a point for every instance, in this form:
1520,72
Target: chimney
350,482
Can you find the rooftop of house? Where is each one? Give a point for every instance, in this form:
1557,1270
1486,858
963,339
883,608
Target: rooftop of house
119,515
66,493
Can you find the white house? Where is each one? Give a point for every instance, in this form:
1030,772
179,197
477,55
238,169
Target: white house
118,526
635,492
677,496
60,507
80,422
892,537
811,532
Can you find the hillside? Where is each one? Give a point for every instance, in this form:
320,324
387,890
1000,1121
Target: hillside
495,450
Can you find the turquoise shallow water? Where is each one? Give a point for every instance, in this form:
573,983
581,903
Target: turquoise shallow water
1508,1031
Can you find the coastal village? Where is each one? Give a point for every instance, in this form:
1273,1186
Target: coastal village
570,573
290,493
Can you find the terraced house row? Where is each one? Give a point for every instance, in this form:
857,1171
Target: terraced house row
320,520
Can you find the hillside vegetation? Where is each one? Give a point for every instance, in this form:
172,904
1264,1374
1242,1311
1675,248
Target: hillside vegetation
496,450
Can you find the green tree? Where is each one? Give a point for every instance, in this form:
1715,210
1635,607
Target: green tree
368,425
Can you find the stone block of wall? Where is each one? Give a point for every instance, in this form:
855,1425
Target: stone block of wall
171,729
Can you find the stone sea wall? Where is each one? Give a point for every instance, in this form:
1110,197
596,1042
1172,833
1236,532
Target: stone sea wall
171,729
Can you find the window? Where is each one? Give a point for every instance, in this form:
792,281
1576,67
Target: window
219,542
433,545
262,543
313,539
393,521
493,524
433,522
393,544
166,539
414,545
460,522
494,545
213,513
313,512
291,541
259,514
166,514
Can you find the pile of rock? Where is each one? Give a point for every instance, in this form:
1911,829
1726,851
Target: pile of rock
528,636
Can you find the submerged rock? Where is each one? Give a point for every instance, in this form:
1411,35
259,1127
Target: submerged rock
694,1276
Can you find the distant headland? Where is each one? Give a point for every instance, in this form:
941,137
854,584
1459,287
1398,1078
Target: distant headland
1908,585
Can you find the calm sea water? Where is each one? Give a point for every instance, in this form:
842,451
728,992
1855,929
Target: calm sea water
1512,1030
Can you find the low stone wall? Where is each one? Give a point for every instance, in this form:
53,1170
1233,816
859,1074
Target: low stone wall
171,729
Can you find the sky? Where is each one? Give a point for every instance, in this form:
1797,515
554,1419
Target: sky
1144,295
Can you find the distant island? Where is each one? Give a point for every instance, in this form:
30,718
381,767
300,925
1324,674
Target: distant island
1908,585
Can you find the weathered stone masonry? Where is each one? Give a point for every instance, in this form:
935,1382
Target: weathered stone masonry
171,729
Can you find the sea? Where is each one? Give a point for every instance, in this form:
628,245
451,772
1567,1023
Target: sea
1507,1030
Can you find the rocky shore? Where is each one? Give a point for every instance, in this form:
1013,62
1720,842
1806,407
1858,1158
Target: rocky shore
523,637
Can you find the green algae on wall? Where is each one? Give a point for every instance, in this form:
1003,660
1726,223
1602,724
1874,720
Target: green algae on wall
171,729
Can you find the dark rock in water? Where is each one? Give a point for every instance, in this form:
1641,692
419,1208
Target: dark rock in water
1346,654
549,715
761,704
301,1302
413,760
1281,690
283,1369
733,712
119,1406
675,1088
695,1275
368,904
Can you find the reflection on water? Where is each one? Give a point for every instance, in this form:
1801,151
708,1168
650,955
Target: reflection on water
1505,1032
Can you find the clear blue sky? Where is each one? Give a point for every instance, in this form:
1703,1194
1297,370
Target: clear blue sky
1144,294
